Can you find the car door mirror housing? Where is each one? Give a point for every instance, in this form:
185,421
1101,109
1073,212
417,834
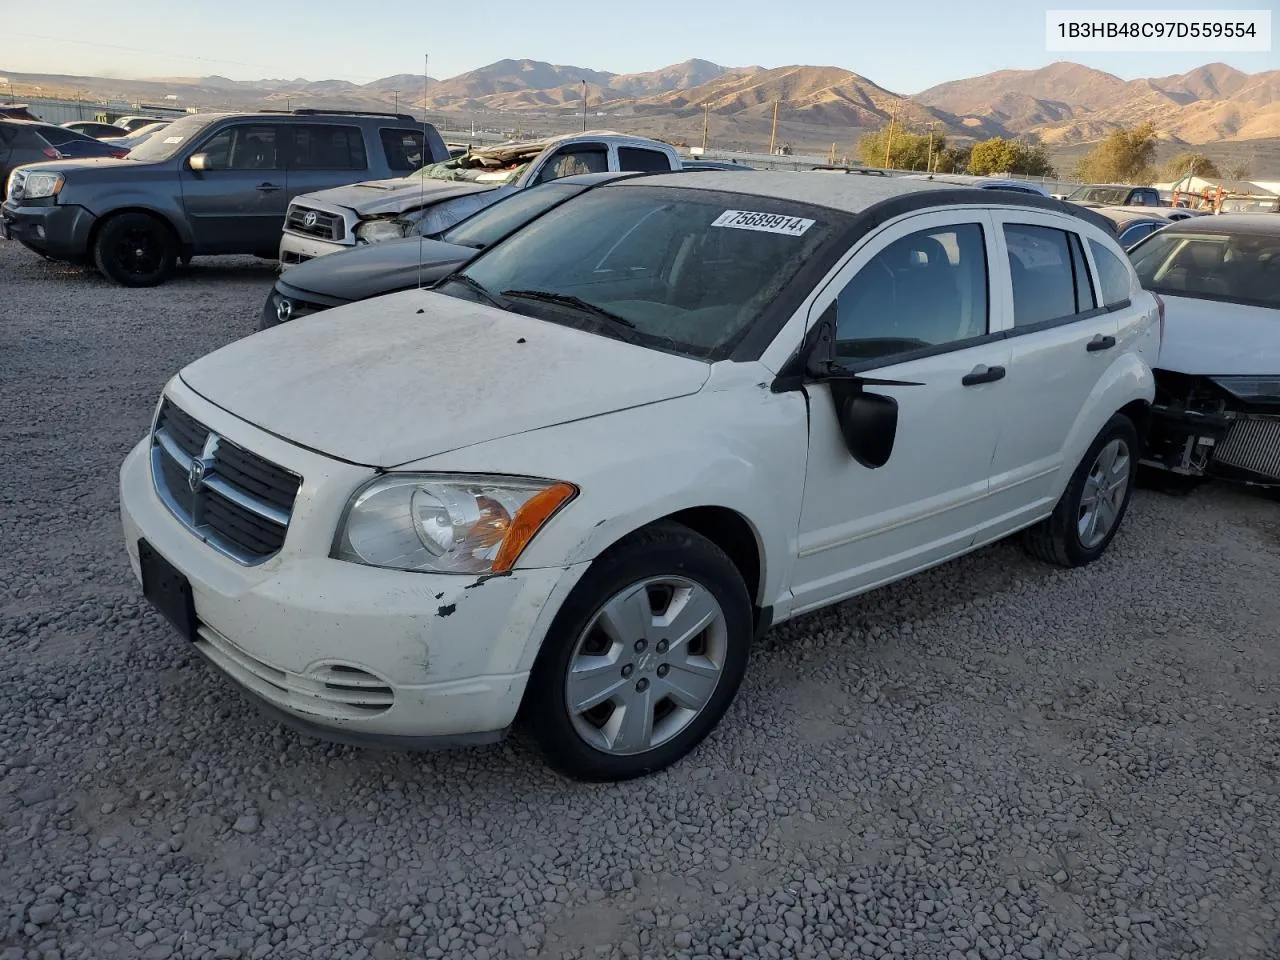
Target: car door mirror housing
868,423
199,162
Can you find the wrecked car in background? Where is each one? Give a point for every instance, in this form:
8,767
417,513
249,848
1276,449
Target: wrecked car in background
1217,407
442,194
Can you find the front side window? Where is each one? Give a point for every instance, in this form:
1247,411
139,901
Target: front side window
924,290
572,161
243,147
325,147
1113,275
680,269
1242,269
1050,278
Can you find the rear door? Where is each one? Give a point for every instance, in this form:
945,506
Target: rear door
322,155
237,204
1061,340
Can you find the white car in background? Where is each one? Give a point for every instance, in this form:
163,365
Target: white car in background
138,135
1218,377
575,479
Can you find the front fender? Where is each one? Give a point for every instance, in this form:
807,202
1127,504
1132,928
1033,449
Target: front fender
742,449
157,203
1128,379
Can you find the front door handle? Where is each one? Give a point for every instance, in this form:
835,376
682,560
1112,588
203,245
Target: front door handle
983,374
1099,342
269,187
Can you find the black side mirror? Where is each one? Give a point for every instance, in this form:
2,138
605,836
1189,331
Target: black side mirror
868,421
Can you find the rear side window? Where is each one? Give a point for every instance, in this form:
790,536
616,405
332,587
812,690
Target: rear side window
403,148
325,147
61,135
1050,279
638,158
1113,275
924,290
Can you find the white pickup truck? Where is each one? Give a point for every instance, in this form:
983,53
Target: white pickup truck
330,221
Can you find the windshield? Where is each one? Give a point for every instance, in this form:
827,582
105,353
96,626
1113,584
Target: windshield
1111,196
680,269
487,227
177,135
1239,269
1250,205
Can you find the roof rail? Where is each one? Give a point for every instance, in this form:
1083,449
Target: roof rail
318,112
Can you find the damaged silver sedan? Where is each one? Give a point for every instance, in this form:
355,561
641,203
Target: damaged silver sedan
1217,410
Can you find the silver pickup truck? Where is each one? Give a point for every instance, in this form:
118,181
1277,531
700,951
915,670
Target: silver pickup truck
442,194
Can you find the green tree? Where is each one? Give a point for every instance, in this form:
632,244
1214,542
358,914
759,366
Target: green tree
999,155
1123,157
1190,163
909,149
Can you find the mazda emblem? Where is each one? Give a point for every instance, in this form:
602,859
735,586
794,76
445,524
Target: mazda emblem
284,310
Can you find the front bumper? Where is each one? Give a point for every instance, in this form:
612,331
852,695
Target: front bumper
55,230
295,248
1239,446
352,653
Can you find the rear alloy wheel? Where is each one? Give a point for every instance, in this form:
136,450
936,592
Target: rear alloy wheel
644,657
135,250
1091,508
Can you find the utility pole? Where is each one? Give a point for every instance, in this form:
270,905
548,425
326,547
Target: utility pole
888,145
773,135
929,165
584,106
706,119
397,96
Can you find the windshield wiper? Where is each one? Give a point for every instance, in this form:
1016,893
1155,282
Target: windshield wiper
568,300
479,288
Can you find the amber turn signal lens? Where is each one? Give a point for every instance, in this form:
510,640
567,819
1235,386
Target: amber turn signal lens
529,520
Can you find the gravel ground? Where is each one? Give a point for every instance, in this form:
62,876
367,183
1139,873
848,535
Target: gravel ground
995,760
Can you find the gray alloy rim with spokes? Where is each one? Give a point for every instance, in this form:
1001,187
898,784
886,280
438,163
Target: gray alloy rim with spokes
646,665
1103,493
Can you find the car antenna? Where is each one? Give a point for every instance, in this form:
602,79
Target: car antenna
422,179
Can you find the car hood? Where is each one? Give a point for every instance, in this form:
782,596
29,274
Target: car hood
379,198
105,164
410,375
1210,337
376,268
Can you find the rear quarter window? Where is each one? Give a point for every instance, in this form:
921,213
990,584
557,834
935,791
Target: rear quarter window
1113,275
403,148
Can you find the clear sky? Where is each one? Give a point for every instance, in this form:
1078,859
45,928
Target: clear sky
904,45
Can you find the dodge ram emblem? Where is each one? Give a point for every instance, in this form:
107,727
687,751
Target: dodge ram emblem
195,475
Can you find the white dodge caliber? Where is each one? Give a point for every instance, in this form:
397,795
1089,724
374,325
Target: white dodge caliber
570,483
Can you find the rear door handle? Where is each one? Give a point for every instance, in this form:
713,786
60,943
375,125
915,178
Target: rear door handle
269,187
1099,342
983,374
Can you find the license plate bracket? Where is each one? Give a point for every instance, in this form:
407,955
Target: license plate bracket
168,590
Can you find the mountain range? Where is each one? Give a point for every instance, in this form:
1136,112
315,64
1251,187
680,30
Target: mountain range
1062,104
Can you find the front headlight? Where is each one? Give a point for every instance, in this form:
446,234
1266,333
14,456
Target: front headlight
375,231
38,185
447,522
1250,388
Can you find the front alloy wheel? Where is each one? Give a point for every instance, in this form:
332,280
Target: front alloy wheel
643,658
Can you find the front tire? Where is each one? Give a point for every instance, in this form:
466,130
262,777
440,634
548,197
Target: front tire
643,659
1093,505
135,250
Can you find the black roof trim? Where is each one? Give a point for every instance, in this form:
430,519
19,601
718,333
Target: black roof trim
316,112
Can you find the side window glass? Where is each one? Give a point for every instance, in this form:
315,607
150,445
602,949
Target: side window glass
1113,275
573,161
325,147
1085,300
923,290
637,159
1044,274
243,147
403,149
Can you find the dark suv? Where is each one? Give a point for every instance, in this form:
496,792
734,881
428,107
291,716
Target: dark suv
212,183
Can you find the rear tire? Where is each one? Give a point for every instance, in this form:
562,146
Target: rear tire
1092,507
656,638
135,250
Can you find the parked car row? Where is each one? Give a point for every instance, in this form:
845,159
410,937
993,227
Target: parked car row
640,418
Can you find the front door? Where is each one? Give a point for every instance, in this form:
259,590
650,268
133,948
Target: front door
914,306
1060,340
236,203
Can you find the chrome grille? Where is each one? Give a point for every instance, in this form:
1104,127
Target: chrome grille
315,223
234,500
1252,443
